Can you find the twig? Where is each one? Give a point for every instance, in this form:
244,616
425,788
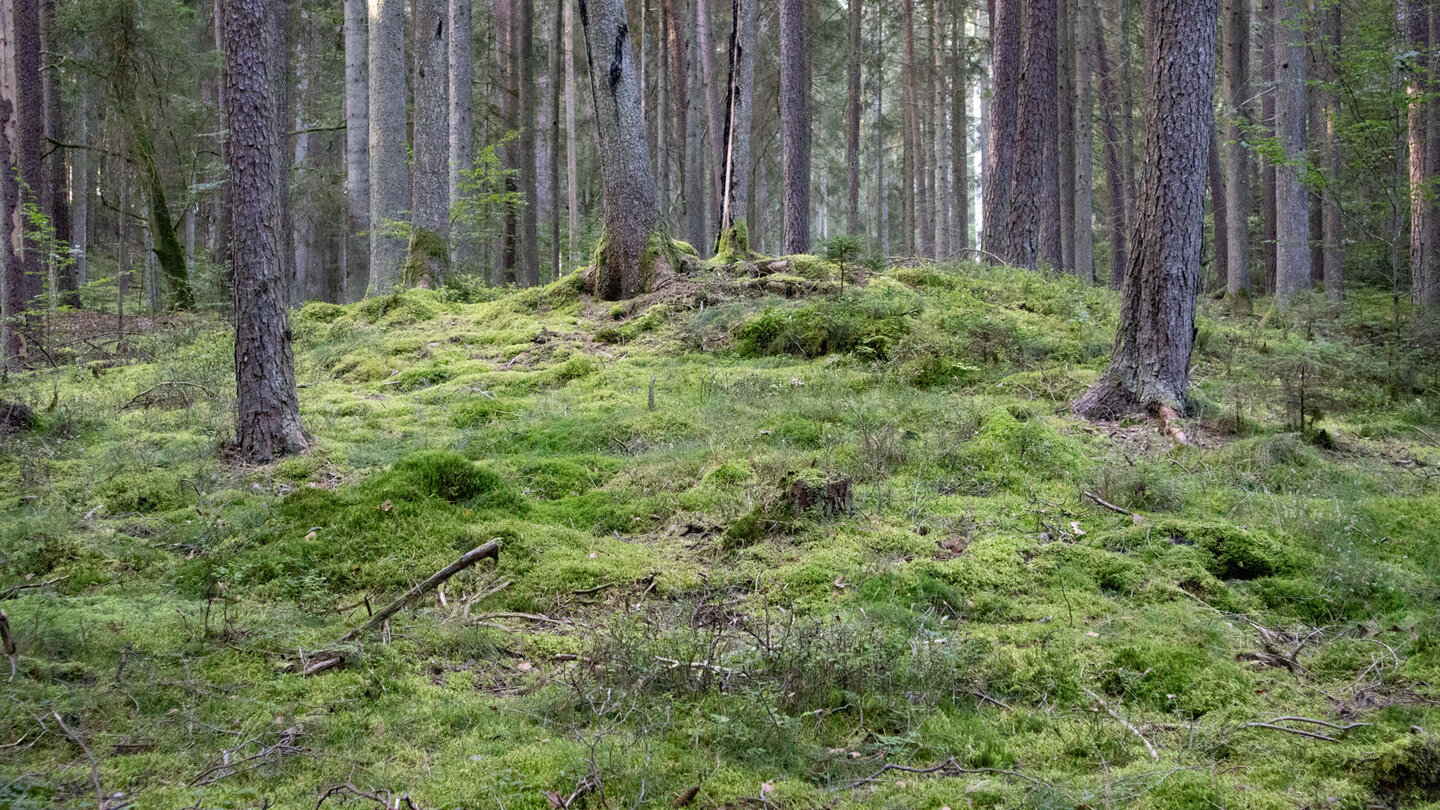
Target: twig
1301,732
534,617
1112,507
7,642
94,763
1154,755
489,550
12,591
950,767
152,388
1324,723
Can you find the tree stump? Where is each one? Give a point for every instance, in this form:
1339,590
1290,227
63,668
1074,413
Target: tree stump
15,418
831,496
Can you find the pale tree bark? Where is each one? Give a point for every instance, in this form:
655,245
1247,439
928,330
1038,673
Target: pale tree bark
734,228
714,113
1114,162
1332,222
572,176
852,121
1004,107
1422,252
302,227
389,169
12,302
429,250
1427,287
357,152
1035,203
268,412
1292,201
1067,109
632,210
1150,366
795,124
528,106
960,132
1235,152
877,90
1083,261
663,117
461,59
1127,100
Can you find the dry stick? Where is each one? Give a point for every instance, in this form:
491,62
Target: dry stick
94,763
1154,755
474,555
1301,732
950,766
1112,507
1324,723
12,592
7,642
1170,424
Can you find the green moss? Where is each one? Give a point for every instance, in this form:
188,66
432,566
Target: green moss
454,478
1408,770
145,493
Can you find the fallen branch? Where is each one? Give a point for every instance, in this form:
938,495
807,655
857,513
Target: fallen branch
7,642
1154,755
533,617
1273,725
1112,507
1170,424
489,550
380,797
1301,732
949,767
13,591
161,384
94,763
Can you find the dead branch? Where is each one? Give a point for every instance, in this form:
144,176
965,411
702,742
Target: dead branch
1301,732
489,550
94,763
949,767
382,797
7,642
533,617
13,591
153,388
558,802
1170,424
1112,507
1154,755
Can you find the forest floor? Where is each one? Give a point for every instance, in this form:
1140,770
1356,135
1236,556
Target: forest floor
1009,607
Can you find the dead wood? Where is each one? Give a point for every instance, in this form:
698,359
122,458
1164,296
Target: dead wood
490,550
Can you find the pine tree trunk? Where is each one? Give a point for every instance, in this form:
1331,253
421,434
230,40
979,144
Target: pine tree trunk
461,60
1036,194
1004,123
877,89
1268,188
12,301
734,228
389,170
56,192
714,113
1427,287
429,249
572,177
852,122
302,228
268,412
921,226
1084,258
960,132
357,152
1150,366
795,124
1067,103
1235,152
632,209
1331,215
556,78
1218,211
1127,101
528,103
82,184
1292,215
687,118
1114,163
940,197
28,99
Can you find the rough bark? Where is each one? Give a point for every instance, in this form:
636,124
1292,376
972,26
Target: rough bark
1127,100
1426,286
940,193
82,184
734,228
960,133
555,156
632,209
1004,107
56,193
26,148
1036,196
528,104
357,153
1114,162
12,301
268,413
1150,366
795,125
1267,122
714,113
1218,211
429,250
571,174
1332,224
852,122
1084,257
461,59
1068,103
1292,201
389,169
1235,153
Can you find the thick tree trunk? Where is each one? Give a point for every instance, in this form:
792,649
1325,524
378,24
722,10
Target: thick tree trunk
1150,366
429,250
734,228
1084,259
461,60
1267,123
795,133
1427,286
714,113
28,99
81,185
1035,203
268,412
12,301
572,177
389,170
1114,162
1067,103
1235,152
56,192
1292,201
357,152
556,79
852,122
1004,107
529,179
632,210
1332,224
960,133
1218,211
940,196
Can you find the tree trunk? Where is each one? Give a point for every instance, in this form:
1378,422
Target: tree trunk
357,153
556,79
1332,224
302,227
734,228
572,177
940,196
57,188
28,99
529,180
1127,102
81,185
1267,123
921,228
714,113
1235,152
852,122
691,159
1218,211
1004,107
1150,366
960,132
429,250
461,60
1036,194
1067,103
1427,286
632,210
1292,209
877,89
795,124
12,301
1114,162
268,412
389,171
1084,258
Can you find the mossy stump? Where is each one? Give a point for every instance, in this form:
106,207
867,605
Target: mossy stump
832,496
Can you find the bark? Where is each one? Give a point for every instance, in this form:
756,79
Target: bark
1267,122
357,153
795,125
632,209
1427,285
1150,366
960,133
1114,163
1036,196
268,413
389,170
555,79
56,191
1332,224
1218,211
1235,152
877,89
921,228
734,227
12,301
940,196
571,174
429,250
852,122
81,183
461,59
1084,257
1004,106
529,181
1292,215
714,113
27,97
1127,101
302,227
691,161
1068,105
